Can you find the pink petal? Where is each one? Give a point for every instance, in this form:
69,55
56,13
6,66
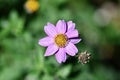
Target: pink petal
51,50
72,33
46,41
50,30
71,25
61,26
61,55
75,41
71,49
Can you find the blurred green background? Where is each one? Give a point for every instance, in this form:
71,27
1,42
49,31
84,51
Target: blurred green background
21,58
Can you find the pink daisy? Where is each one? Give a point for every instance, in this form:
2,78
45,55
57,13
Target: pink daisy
60,40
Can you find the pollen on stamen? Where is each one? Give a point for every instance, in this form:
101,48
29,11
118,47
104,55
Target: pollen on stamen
60,40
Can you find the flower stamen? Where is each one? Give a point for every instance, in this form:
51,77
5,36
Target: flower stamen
60,40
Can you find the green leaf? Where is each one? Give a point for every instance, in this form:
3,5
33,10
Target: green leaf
64,71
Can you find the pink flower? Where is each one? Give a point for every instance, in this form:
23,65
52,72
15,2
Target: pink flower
60,40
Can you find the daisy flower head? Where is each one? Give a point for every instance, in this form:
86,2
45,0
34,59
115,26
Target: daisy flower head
31,6
60,40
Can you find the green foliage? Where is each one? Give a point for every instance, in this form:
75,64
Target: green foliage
65,71
21,58
12,26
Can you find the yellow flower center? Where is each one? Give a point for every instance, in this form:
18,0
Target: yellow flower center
60,40
32,5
